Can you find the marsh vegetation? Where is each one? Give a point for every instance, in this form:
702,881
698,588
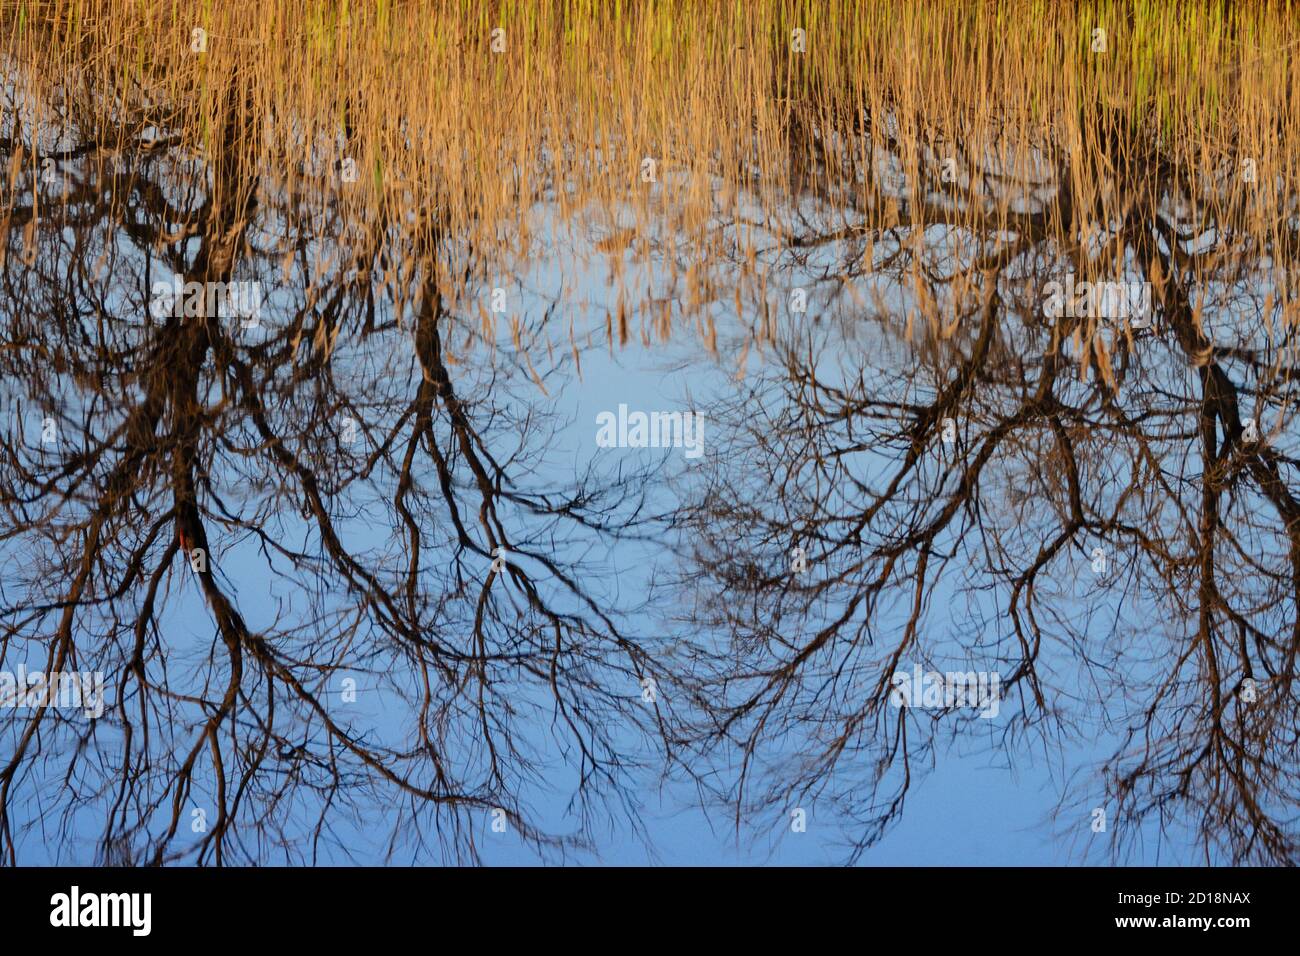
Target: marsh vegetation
842,217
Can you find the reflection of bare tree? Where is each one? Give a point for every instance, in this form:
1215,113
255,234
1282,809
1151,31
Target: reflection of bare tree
371,485
1068,434
372,482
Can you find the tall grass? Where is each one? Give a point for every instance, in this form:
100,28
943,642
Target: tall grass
458,140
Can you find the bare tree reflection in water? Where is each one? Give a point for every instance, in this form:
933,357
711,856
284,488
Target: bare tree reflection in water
391,499
1112,525
387,502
